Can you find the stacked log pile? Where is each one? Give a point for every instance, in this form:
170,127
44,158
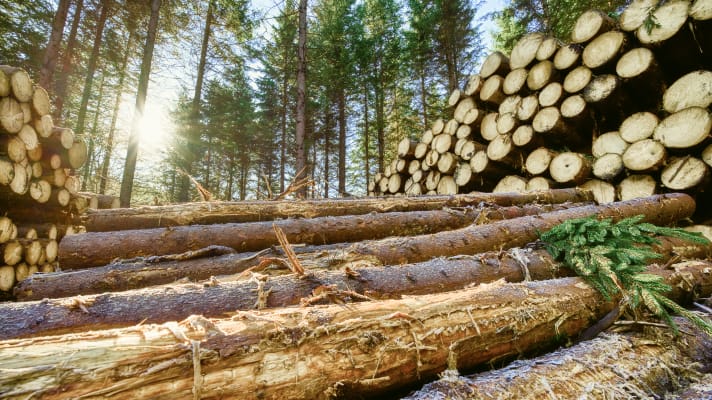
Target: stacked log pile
375,297
337,305
623,110
39,188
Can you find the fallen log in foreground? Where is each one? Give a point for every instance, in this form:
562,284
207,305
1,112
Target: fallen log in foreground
250,211
634,365
176,302
99,248
311,352
659,210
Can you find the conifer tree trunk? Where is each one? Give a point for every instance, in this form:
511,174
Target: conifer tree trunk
366,137
283,138
49,62
91,65
132,150
94,129
342,140
109,148
62,80
300,171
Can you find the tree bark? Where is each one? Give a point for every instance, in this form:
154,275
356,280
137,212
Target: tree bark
109,147
660,209
132,150
157,305
659,361
60,88
95,249
301,162
364,350
249,211
91,64
49,62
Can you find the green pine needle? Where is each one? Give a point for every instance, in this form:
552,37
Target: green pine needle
613,256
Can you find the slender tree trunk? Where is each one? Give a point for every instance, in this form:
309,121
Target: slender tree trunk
301,94
423,94
342,141
283,138
380,104
91,65
51,55
114,117
60,89
366,137
132,150
95,127
203,56
328,124
208,161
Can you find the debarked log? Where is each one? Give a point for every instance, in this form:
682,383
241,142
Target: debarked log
100,248
217,297
632,365
250,211
365,349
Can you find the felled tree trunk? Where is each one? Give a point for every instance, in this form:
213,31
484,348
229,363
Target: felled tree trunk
312,352
99,248
661,210
653,362
157,305
249,211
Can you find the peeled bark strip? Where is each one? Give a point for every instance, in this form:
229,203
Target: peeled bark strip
692,90
309,352
157,305
249,211
640,365
684,129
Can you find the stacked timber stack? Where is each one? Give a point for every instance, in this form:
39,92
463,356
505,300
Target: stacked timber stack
38,184
355,298
623,110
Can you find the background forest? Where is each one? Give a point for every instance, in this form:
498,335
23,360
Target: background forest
217,82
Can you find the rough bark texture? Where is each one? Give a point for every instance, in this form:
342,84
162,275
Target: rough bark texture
312,352
178,301
660,209
639,365
247,211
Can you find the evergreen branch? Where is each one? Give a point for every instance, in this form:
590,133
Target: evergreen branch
612,258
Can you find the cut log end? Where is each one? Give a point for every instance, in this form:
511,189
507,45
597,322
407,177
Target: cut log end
684,129
691,90
638,126
590,24
684,173
569,167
